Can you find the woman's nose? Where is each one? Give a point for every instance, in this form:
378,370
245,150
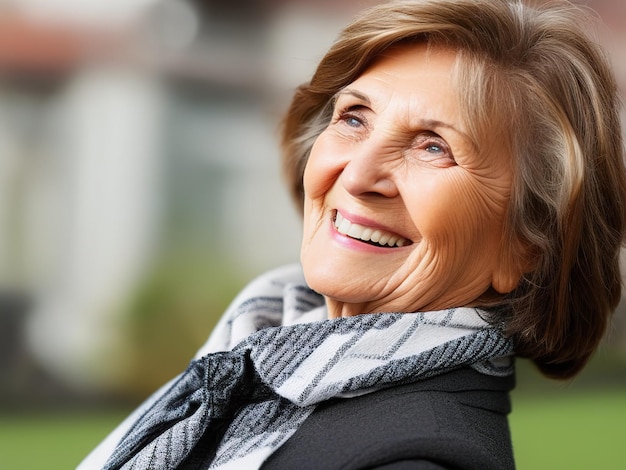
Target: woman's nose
368,173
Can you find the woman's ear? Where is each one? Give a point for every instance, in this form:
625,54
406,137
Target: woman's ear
516,259
505,280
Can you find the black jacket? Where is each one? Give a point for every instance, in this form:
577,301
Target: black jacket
457,420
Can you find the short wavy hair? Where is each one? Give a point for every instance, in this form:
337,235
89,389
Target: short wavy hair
535,78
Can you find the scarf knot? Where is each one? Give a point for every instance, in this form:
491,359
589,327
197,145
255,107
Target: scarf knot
198,406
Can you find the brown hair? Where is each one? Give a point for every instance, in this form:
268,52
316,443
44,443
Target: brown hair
534,77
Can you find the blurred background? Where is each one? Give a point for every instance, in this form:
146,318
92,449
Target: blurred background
140,189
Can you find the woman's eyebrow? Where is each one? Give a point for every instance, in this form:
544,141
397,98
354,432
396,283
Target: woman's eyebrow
436,124
357,94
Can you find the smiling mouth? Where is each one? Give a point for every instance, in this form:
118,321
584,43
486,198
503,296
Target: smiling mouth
368,235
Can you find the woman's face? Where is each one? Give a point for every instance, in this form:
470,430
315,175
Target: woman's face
403,212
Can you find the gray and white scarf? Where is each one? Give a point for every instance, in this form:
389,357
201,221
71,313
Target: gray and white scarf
274,356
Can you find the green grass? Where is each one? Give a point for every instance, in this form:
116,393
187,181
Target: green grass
571,430
52,440
576,430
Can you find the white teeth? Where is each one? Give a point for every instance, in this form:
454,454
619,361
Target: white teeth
344,227
355,231
360,232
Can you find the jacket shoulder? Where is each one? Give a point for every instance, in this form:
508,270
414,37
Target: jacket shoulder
455,420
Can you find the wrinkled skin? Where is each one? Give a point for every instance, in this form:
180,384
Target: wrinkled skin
396,157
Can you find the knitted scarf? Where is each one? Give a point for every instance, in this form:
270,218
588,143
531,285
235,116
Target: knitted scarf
274,356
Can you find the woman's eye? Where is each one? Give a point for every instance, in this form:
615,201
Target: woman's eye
352,121
434,148
436,151
351,116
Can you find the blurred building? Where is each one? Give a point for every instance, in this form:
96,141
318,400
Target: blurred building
134,132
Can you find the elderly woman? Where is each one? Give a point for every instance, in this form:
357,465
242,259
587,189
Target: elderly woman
459,168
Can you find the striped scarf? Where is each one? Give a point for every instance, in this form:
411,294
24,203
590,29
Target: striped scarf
274,357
